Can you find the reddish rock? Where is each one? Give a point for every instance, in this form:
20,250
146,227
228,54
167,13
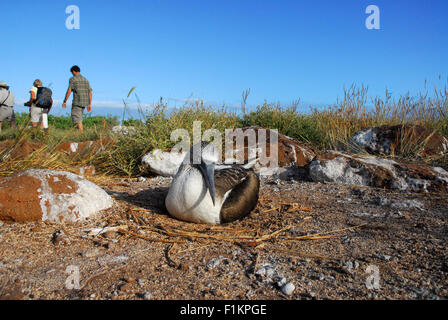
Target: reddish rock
18,150
84,147
401,139
377,172
290,151
57,196
11,293
19,199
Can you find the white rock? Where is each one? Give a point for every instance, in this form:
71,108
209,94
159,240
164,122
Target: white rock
408,204
124,130
281,282
213,263
265,270
387,139
366,214
367,139
377,172
141,282
92,253
147,296
335,171
86,202
61,196
288,288
163,163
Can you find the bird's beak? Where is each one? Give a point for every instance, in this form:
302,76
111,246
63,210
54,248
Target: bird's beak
208,171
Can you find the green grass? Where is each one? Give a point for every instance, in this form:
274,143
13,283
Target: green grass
61,128
65,122
288,121
154,131
321,129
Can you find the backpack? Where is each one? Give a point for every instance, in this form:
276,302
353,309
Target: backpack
43,97
3,103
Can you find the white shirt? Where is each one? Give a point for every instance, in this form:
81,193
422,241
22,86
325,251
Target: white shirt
34,89
7,101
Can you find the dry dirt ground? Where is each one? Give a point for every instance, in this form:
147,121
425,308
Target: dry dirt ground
329,241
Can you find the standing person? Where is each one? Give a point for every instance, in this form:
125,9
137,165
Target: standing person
82,96
37,113
6,105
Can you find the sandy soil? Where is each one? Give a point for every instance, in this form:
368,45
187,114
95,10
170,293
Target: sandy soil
329,241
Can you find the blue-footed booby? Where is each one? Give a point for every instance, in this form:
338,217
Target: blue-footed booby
201,194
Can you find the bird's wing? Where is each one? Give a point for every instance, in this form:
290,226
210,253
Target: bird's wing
227,178
243,186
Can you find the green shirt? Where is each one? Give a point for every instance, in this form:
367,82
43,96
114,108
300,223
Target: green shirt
81,88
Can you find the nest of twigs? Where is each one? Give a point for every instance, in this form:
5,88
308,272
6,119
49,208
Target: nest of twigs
156,226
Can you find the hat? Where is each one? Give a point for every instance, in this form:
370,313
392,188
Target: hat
3,85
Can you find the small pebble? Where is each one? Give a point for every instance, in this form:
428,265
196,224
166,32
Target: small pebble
213,263
59,237
129,280
125,287
288,288
141,282
147,296
281,282
383,257
92,253
34,229
324,277
266,270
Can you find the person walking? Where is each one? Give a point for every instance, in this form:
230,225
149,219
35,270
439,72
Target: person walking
6,105
38,114
82,96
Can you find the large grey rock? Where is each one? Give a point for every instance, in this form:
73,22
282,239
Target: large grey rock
377,172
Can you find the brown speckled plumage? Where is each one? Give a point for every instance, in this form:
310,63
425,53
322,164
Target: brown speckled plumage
243,197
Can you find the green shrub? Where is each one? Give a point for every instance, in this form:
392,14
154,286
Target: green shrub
328,128
287,120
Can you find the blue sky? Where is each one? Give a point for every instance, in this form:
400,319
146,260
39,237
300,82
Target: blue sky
213,50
